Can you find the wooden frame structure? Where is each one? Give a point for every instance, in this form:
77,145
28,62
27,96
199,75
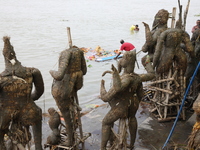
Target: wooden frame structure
168,93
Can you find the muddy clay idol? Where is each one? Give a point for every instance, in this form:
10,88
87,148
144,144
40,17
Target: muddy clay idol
159,25
123,97
169,50
67,81
18,110
54,123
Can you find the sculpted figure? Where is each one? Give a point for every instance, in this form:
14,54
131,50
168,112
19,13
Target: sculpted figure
127,63
196,42
159,25
67,81
17,107
194,138
194,60
123,97
54,122
169,50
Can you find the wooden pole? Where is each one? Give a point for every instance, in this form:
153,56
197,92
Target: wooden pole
173,17
185,15
79,121
69,37
167,94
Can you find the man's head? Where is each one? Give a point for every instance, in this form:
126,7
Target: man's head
198,23
121,41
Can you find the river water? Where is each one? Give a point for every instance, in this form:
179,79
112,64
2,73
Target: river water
38,33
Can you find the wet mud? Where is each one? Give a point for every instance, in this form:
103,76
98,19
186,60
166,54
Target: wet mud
151,134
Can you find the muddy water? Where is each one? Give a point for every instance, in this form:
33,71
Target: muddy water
38,33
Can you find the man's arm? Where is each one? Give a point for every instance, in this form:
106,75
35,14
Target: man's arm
117,55
193,29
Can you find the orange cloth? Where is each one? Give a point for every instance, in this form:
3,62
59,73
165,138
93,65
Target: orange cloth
196,126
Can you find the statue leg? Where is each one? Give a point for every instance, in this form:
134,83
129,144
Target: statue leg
107,123
37,135
132,120
68,124
63,104
133,130
2,146
4,124
32,115
62,92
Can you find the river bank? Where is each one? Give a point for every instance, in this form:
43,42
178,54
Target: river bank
151,134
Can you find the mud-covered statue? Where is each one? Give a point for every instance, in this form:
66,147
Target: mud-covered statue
159,25
194,138
169,50
54,123
18,110
123,97
194,60
127,63
67,81
196,42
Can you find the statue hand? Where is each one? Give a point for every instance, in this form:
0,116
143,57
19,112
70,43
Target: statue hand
102,82
52,72
145,24
103,74
113,68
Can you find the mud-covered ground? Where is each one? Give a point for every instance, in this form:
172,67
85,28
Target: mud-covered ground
151,134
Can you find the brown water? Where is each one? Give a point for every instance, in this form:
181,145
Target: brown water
38,33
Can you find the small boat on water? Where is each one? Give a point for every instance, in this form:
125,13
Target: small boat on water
98,54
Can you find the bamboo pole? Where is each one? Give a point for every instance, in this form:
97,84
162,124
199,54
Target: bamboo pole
167,95
185,15
173,17
69,37
79,120
160,89
159,81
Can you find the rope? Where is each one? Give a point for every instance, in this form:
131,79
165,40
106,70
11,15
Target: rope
188,88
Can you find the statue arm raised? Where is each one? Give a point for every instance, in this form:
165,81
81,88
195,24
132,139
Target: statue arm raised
38,83
63,64
83,64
